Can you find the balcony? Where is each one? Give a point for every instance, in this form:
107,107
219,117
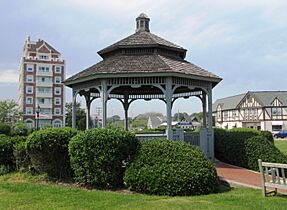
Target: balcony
47,74
44,84
44,95
46,105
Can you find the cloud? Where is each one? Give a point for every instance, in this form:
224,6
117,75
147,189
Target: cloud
9,76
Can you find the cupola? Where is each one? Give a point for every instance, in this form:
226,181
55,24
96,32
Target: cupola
142,23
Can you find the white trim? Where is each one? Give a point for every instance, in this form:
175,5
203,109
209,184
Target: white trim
277,122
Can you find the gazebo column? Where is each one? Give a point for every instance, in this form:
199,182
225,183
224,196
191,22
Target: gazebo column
104,97
74,108
168,98
126,108
210,134
88,110
204,109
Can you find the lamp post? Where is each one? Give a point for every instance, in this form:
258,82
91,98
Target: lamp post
38,113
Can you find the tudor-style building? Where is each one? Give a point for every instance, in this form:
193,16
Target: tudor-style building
41,91
262,110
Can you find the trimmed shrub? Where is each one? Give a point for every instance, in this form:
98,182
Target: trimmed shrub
6,153
48,151
19,129
5,129
98,156
172,168
259,147
268,135
243,148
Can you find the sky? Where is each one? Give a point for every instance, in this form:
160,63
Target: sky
242,41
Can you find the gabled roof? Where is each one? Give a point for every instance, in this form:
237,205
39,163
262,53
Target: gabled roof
34,46
142,64
154,121
140,39
265,97
228,103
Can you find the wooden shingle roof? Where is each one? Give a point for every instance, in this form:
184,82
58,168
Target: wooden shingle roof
142,64
141,39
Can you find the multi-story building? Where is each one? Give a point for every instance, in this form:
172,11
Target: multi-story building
41,92
262,110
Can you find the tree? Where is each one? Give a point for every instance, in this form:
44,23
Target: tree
9,112
181,116
80,116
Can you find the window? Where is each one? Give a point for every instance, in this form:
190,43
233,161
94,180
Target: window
58,91
276,111
57,101
29,124
234,113
43,57
29,100
29,89
57,111
29,78
58,80
43,69
29,110
30,68
58,69
57,124
276,127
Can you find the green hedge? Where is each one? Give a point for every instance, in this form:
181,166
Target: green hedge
48,151
259,147
97,156
164,167
7,160
22,159
236,147
5,129
19,129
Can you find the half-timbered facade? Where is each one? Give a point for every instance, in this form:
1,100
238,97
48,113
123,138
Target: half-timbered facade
262,110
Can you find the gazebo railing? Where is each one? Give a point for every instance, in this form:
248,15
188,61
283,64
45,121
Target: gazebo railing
188,137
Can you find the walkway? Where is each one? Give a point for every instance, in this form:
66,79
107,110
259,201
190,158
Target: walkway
239,176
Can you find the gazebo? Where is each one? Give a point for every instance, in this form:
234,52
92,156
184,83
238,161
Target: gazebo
146,66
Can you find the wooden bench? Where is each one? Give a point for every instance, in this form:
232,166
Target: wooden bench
272,176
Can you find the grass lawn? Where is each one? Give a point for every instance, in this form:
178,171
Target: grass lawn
19,191
282,145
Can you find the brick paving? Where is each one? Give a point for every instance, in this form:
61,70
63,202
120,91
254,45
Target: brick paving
239,176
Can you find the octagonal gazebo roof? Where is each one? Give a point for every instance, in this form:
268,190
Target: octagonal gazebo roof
143,53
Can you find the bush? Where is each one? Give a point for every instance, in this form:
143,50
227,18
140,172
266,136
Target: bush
19,129
6,152
243,147
164,167
97,156
20,153
4,129
268,135
259,147
48,151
